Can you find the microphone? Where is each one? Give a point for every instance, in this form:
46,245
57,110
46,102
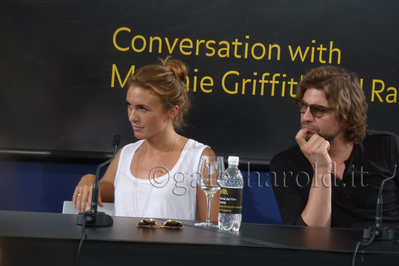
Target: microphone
93,217
382,233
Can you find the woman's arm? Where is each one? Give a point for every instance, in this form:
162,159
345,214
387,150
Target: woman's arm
83,192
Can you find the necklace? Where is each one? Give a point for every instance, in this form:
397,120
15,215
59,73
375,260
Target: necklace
135,184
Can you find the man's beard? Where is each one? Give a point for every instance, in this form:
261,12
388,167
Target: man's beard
329,137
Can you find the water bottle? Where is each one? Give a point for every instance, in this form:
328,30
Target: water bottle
230,210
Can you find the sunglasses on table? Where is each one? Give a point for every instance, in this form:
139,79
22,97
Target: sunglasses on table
315,109
151,223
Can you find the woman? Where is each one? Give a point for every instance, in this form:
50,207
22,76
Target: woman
153,177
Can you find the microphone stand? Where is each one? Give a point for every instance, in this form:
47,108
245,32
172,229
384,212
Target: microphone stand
93,217
382,233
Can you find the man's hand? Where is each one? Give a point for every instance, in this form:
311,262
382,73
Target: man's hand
316,150
318,208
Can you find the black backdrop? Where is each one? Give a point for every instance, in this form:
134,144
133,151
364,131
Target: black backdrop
59,62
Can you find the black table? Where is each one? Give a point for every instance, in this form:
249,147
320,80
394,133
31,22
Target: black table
28,238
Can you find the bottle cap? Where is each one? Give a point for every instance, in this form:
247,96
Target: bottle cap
234,160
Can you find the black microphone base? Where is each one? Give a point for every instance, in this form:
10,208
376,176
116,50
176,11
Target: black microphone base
381,233
94,219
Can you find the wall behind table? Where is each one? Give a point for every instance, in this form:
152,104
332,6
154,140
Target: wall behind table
44,186
64,63
39,186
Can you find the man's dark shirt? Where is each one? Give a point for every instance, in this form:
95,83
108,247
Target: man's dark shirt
354,198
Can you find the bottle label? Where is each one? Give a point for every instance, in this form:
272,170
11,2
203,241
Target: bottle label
230,200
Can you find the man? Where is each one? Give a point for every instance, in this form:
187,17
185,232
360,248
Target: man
331,177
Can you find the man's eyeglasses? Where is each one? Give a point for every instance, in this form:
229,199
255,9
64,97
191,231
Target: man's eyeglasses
316,110
151,223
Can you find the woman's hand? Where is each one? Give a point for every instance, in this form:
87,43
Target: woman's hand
83,194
